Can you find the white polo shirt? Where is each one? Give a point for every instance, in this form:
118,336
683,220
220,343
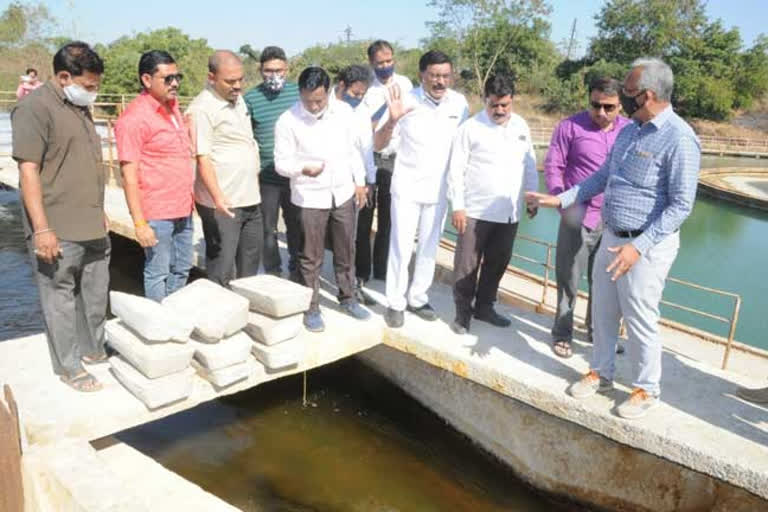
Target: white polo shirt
423,144
376,97
491,166
302,140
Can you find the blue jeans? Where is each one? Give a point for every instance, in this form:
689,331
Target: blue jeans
167,264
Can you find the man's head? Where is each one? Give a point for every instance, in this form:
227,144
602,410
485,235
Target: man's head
274,67
31,73
314,83
353,83
436,72
225,74
604,101
647,88
159,76
381,56
78,71
499,91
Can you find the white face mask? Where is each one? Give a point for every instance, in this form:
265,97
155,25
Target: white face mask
317,115
79,96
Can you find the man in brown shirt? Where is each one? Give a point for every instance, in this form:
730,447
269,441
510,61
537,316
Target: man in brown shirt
62,187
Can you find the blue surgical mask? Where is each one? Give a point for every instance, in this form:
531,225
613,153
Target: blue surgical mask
383,74
351,100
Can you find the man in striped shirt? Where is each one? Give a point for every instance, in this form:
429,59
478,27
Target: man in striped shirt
266,102
649,180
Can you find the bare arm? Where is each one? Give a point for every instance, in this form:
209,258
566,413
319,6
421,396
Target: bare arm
46,243
144,233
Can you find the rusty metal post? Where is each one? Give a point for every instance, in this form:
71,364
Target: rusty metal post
546,277
731,331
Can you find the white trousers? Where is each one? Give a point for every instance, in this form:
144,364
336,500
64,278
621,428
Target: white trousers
410,219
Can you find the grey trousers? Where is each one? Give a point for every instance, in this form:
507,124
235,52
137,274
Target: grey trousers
576,249
635,296
73,296
273,199
340,220
487,247
232,245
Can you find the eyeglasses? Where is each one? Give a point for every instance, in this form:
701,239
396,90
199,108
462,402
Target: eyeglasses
168,79
608,107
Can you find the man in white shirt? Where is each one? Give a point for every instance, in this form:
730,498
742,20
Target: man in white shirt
492,164
315,149
382,61
423,124
227,186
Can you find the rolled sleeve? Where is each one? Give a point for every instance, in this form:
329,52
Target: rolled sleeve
29,128
129,139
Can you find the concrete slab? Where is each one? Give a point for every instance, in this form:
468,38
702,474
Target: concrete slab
271,295
287,353
228,375
269,331
215,311
153,393
152,359
149,319
232,350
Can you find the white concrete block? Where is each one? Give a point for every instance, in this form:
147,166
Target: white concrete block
269,330
153,392
150,319
223,377
229,351
288,353
272,295
152,359
215,311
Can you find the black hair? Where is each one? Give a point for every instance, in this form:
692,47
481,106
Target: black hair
272,53
29,70
354,73
433,57
312,78
500,85
150,60
76,58
605,85
377,46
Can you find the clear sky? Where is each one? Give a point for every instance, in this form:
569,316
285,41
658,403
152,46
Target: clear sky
297,24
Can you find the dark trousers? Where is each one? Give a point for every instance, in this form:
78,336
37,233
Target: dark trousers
382,204
73,295
340,220
487,247
274,198
576,249
232,244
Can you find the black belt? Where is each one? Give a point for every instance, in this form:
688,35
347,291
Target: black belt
629,234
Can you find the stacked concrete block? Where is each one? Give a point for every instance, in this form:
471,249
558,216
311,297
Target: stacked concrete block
215,311
225,362
275,321
228,375
154,360
153,392
149,319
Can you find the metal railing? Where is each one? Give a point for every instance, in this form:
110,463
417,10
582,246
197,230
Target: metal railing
547,266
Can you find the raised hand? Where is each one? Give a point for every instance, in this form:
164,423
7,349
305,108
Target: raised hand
395,101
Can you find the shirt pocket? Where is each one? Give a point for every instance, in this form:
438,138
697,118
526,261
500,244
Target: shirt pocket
641,169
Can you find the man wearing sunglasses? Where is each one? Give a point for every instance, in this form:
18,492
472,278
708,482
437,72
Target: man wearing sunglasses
578,148
155,154
649,179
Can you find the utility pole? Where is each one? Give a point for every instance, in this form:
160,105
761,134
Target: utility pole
572,40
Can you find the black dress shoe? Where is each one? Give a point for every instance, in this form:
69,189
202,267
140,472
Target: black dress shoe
492,317
424,312
394,318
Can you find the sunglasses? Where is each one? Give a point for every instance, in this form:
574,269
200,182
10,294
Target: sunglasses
608,107
168,79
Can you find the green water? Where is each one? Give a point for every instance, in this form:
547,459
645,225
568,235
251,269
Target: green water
362,445
722,246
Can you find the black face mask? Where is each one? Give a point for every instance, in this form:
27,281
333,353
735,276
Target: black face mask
629,103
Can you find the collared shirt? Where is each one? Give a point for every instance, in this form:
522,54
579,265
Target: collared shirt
491,166
301,140
649,179
158,141
376,99
363,137
222,131
577,150
265,107
60,137
423,147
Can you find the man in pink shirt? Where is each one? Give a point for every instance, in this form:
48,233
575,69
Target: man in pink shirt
28,83
578,148
155,154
